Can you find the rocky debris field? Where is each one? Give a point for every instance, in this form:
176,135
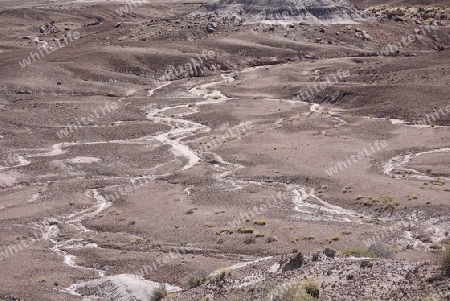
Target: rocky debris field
170,149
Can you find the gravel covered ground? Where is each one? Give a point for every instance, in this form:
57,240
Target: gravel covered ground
142,144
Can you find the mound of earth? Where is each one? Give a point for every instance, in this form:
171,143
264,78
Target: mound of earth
310,12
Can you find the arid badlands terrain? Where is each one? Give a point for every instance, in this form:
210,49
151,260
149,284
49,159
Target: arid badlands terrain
230,150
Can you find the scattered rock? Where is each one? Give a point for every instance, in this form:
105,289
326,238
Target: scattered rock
329,252
24,92
53,222
316,256
399,19
365,264
423,237
294,263
211,27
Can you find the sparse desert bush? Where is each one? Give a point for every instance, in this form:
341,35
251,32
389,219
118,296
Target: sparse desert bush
220,231
157,244
306,291
412,197
435,246
445,260
135,239
271,239
115,212
244,230
249,240
190,211
335,238
369,220
159,293
260,222
357,252
208,224
346,232
222,274
438,182
311,288
196,279
259,235
381,250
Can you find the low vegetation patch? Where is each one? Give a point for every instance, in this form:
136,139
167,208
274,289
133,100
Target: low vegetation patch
249,240
308,290
220,231
381,250
385,201
244,230
357,252
260,222
271,239
115,212
445,260
335,238
437,182
196,279
159,293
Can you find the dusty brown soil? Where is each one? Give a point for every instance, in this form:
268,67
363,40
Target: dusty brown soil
203,150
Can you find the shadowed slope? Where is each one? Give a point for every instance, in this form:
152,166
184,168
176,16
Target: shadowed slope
286,10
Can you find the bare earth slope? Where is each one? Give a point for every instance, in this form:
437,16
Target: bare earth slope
306,11
226,160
